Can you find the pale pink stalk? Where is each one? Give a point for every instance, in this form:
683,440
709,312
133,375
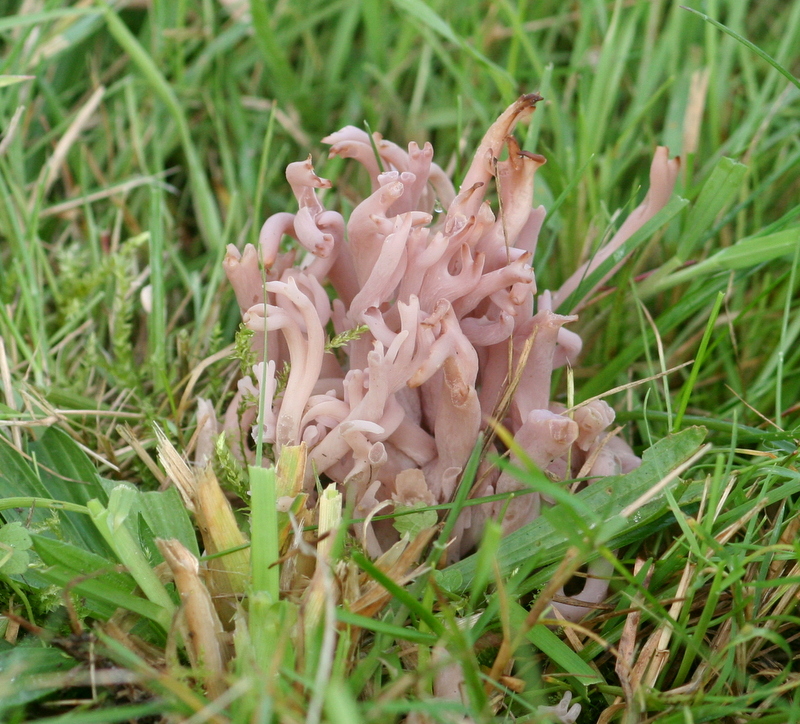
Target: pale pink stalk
663,174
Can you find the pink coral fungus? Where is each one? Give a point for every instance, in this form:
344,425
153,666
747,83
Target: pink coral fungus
447,307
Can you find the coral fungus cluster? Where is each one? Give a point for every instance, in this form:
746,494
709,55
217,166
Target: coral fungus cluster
440,292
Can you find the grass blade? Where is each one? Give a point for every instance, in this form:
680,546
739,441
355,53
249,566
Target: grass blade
718,191
749,45
686,393
264,551
207,214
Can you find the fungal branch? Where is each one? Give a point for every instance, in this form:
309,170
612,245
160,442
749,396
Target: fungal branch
442,287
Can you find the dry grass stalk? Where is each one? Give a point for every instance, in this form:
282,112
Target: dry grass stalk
323,584
656,653
51,170
571,563
202,494
693,118
398,564
129,436
118,628
205,639
290,471
5,378
186,397
626,649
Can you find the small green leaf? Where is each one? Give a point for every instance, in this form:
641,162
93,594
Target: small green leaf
65,473
341,339
230,472
414,523
14,534
14,544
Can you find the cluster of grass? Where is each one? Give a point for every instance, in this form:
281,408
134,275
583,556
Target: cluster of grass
139,138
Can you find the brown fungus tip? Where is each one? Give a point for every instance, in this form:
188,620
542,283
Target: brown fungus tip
531,98
532,156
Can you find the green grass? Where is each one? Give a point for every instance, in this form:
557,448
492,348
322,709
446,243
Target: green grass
153,135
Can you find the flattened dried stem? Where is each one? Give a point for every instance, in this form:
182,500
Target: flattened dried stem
205,642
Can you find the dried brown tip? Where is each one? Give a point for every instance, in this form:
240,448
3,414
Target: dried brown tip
531,98
533,156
